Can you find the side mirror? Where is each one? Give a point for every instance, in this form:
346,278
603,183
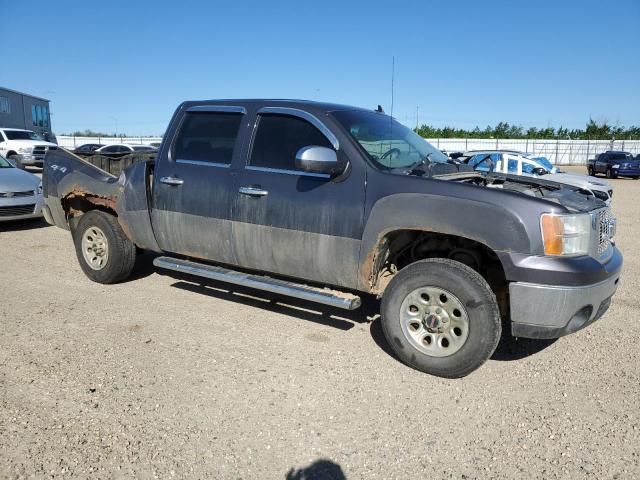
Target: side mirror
540,171
316,159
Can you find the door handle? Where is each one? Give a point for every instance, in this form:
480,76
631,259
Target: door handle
253,191
172,181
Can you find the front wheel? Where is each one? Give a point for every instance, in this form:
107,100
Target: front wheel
441,317
591,172
611,173
105,253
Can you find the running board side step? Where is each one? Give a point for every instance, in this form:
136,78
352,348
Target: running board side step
332,298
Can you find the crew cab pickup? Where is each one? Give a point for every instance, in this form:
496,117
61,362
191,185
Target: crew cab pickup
326,203
614,164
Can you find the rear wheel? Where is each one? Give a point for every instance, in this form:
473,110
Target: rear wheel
441,317
105,253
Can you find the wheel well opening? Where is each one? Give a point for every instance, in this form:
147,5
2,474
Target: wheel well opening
403,247
75,205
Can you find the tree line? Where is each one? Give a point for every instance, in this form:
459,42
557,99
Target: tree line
92,133
592,131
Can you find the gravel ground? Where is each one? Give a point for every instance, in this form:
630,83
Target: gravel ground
162,377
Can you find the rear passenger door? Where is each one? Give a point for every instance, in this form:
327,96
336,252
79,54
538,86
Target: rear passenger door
193,184
292,222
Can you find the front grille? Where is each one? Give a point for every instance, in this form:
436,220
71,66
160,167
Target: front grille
17,210
26,193
39,150
605,226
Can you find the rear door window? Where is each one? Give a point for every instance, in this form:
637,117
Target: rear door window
207,137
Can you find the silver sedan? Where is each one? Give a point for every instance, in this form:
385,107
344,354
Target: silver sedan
20,193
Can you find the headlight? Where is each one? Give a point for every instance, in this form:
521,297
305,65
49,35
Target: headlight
617,165
40,189
25,149
565,234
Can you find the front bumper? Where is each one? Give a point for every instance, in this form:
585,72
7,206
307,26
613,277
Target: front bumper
627,172
21,208
551,311
31,160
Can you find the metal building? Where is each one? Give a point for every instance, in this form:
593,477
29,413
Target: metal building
20,110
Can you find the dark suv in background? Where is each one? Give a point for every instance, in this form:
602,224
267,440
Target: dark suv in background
615,164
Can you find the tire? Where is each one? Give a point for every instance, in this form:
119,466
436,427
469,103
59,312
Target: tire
610,174
15,159
463,287
107,236
635,177
591,172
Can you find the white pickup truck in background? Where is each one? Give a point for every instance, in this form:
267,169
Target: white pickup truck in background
24,147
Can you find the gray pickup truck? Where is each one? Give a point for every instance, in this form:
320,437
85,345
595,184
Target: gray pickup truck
325,202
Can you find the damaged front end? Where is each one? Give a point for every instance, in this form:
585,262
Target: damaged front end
573,198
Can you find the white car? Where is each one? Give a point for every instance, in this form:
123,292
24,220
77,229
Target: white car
527,164
24,147
123,149
20,193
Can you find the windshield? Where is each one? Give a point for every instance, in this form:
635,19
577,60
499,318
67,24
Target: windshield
543,161
4,163
388,143
22,135
622,156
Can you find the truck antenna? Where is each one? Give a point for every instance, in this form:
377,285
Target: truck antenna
393,71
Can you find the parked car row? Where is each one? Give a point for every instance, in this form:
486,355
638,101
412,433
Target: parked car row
116,149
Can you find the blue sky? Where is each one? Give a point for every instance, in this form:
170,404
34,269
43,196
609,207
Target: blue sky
463,63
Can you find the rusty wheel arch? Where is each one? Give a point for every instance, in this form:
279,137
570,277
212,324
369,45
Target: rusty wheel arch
397,249
78,202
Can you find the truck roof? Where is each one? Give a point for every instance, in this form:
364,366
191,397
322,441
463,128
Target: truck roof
291,103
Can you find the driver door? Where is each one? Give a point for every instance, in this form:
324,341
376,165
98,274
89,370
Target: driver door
292,222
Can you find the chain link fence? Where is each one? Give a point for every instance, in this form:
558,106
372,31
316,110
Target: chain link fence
72,142
559,152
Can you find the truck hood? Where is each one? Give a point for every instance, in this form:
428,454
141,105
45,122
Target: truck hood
15,180
573,198
579,180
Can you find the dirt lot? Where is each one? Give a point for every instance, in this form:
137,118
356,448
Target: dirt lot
162,377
